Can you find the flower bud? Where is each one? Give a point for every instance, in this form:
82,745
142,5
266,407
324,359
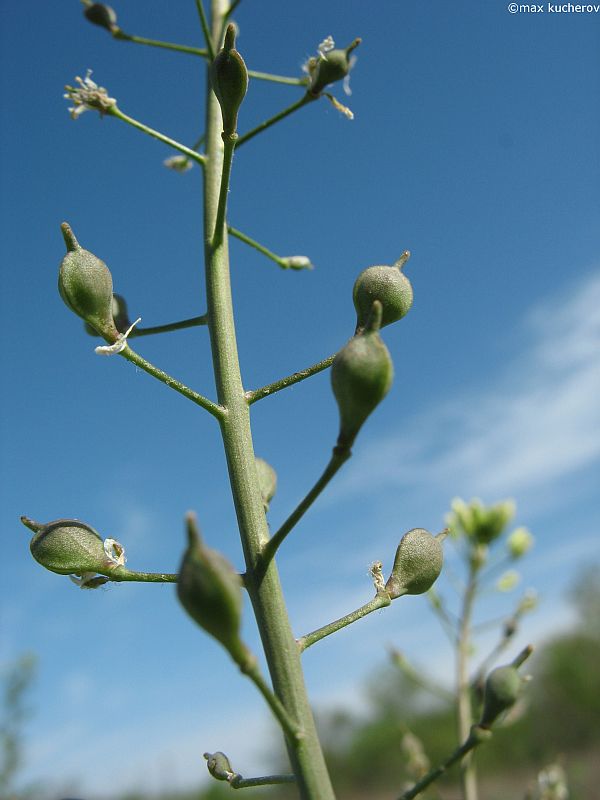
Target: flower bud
508,580
418,563
331,66
503,688
267,480
361,376
388,285
519,542
102,15
85,285
211,592
70,547
229,78
219,767
480,523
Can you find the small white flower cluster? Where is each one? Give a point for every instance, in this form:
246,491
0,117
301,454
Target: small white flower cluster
296,262
88,96
178,163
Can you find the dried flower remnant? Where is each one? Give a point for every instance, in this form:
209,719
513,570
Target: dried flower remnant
178,163
88,96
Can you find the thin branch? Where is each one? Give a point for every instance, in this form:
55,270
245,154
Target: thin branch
288,725
269,76
304,100
193,322
179,48
122,574
257,246
381,600
205,30
290,380
115,111
238,782
338,458
214,409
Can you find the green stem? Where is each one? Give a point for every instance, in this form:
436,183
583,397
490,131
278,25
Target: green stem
269,76
193,322
288,725
216,410
180,48
229,142
266,596
256,245
290,380
124,574
379,601
115,111
205,30
463,684
304,100
475,737
338,458
238,782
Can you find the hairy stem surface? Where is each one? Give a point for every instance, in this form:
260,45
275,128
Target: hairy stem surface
280,647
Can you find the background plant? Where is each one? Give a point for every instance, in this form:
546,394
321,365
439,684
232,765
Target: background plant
485,266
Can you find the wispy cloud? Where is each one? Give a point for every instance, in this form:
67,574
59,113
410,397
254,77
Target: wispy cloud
531,425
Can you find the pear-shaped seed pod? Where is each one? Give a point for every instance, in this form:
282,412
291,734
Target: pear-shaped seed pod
331,66
229,78
361,376
69,547
267,479
390,286
418,563
120,316
85,285
211,592
502,689
102,15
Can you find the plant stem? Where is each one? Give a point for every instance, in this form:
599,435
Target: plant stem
115,111
193,322
475,737
338,457
269,76
238,782
379,601
463,684
304,100
256,245
287,724
280,649
124,574
180,48
205,30
216,410
290,380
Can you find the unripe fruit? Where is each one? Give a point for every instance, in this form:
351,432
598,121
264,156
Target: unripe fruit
69,547
267,480
120,316
390,286
102,15
85,285
502,689
418,563
332,66
229,78
219,767
211,592
361,376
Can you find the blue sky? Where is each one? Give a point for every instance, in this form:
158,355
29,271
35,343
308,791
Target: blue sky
475,144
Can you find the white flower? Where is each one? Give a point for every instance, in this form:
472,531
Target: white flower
296,262
326,45
119,345
88,95
115,552
178,163
88,580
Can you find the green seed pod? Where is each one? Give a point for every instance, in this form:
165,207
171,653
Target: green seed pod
211,592
361,376
267,479
390,286
120,316
418,563
502,690
102,15
330,67
85,285
229,78
70,547
219,766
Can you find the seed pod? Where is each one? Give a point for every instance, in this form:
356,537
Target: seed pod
418,563
219,767
332,66
229,78
102,15
120,316
267,479
361,376
70,547
211,592
85,285
390,286
502,690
